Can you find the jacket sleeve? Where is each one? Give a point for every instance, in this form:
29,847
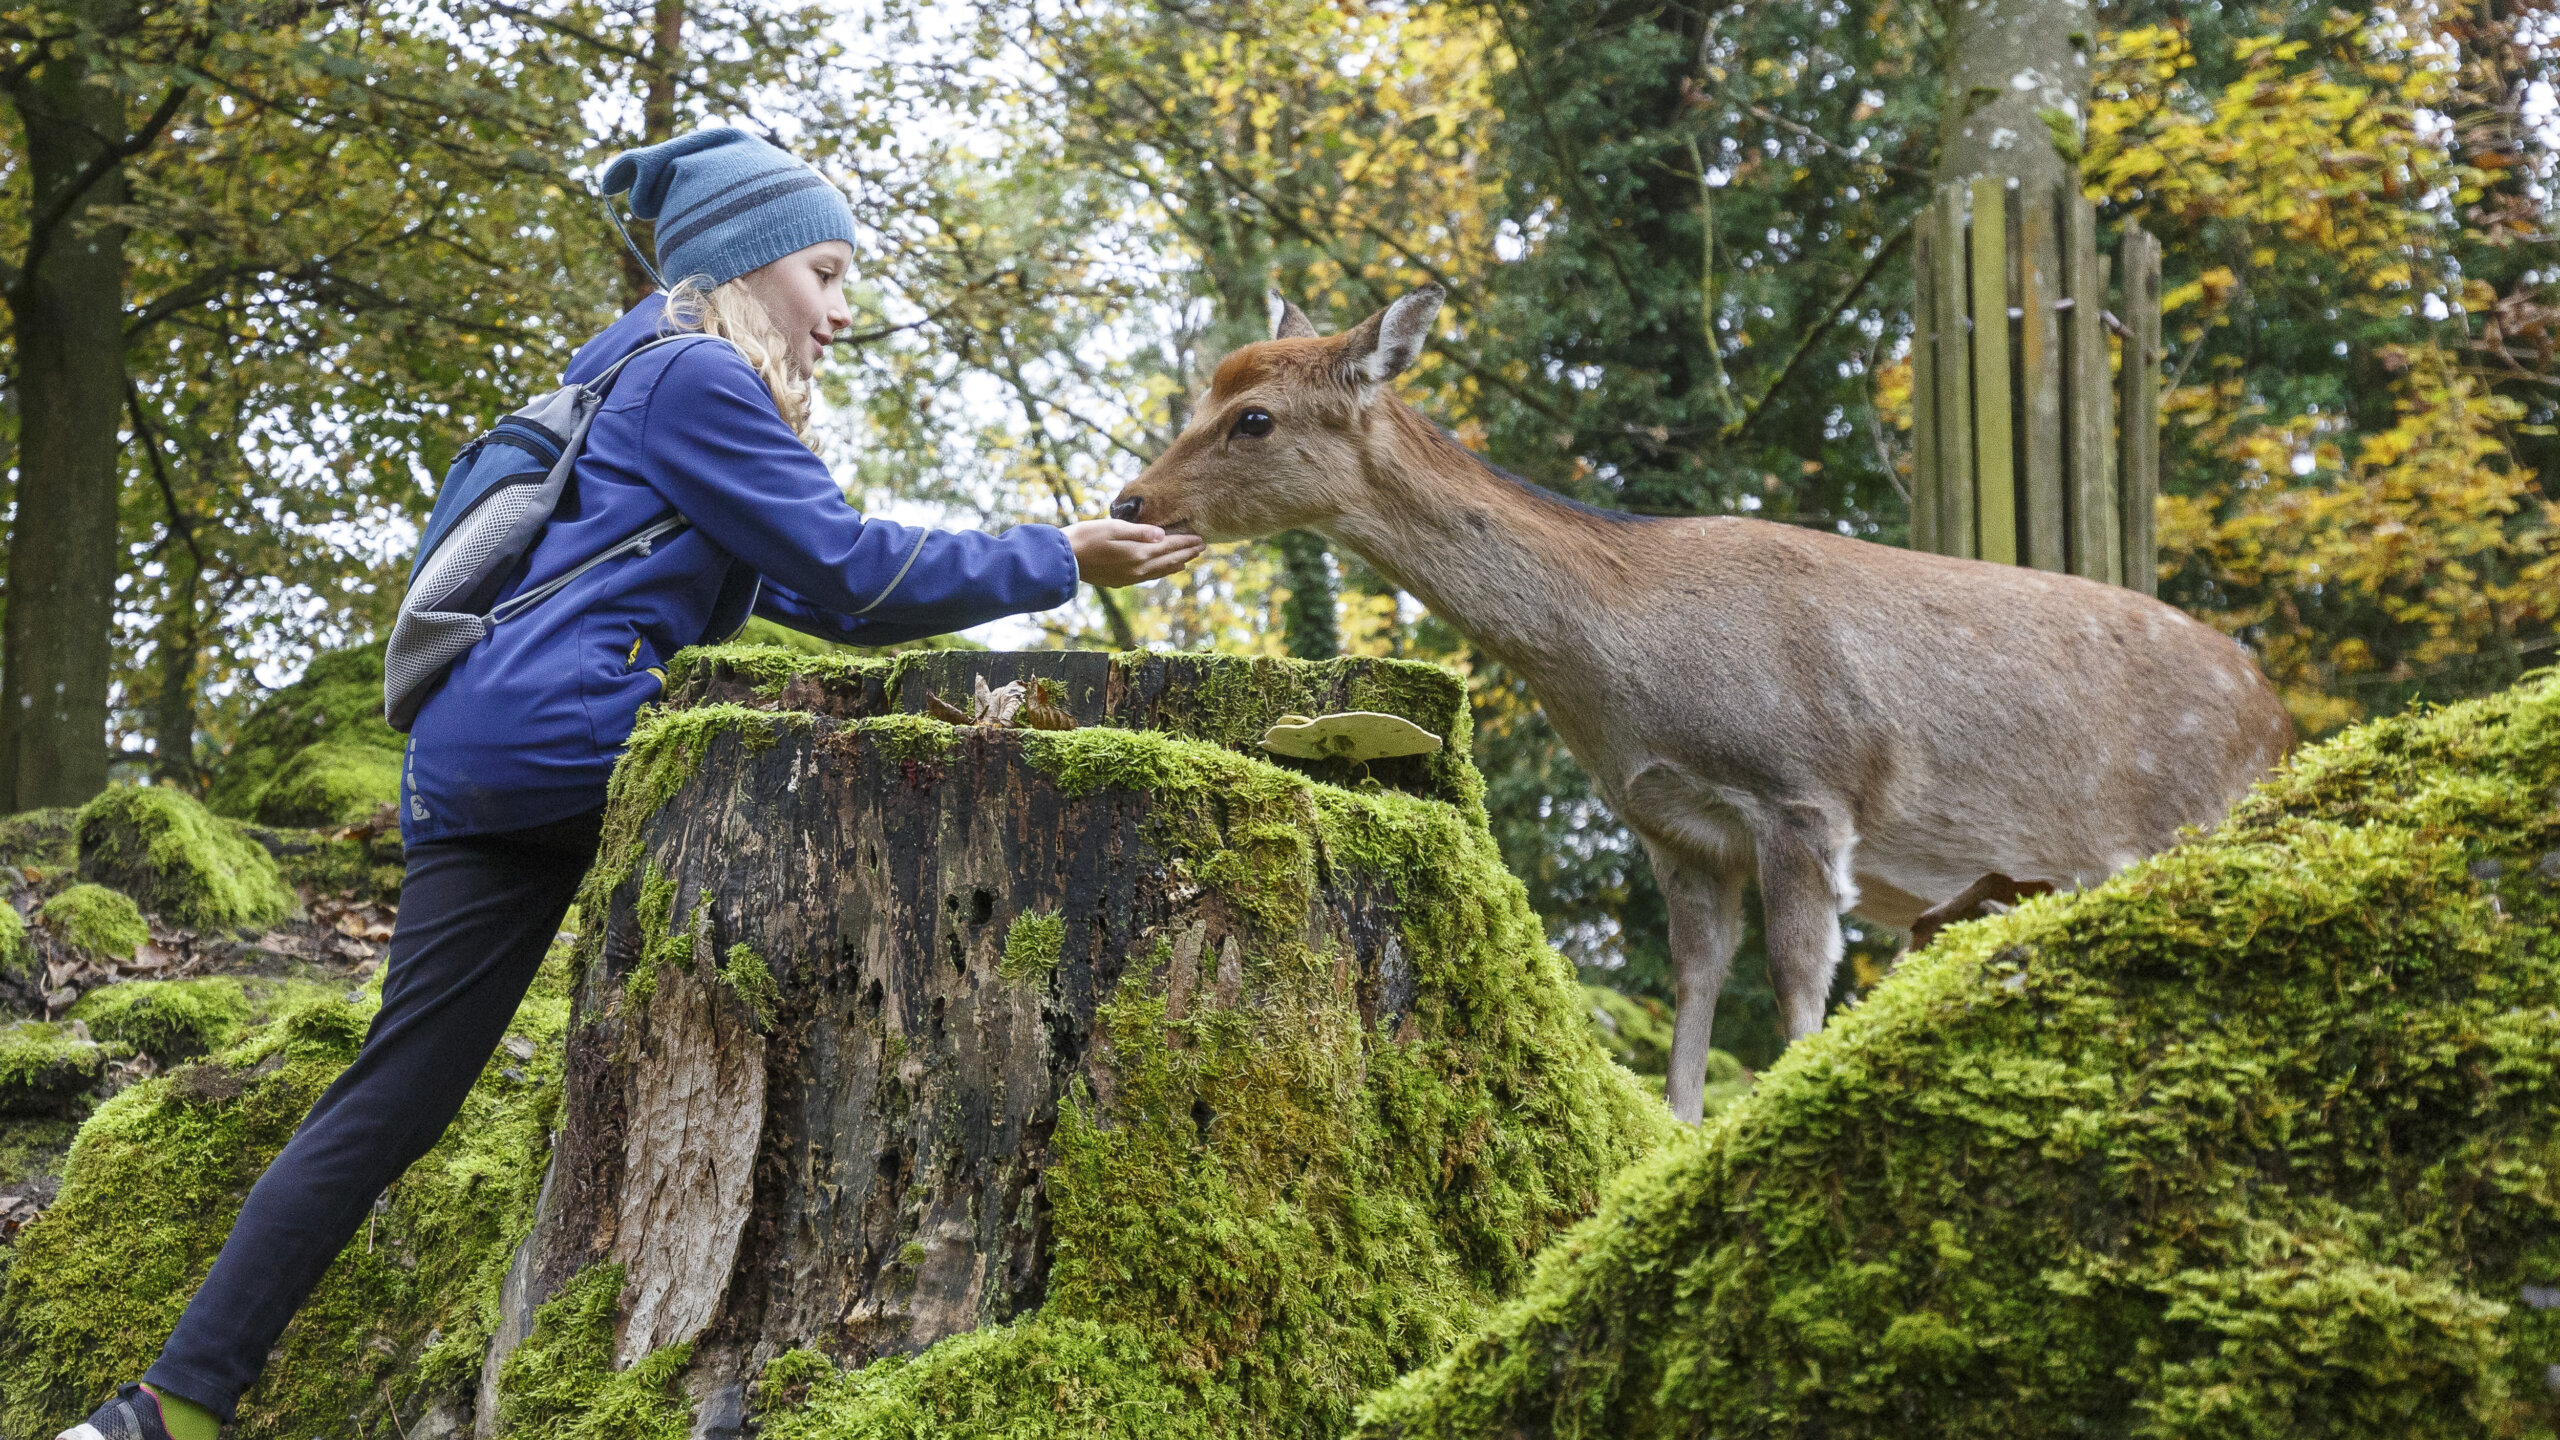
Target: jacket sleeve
721,455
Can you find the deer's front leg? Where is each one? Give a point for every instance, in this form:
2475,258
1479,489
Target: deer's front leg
1805,887
1705,904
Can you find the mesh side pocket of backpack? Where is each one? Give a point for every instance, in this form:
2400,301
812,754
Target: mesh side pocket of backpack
429,636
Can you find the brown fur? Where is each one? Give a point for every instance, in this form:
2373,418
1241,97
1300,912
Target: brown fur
1851,727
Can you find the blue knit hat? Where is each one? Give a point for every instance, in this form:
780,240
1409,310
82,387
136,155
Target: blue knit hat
727,203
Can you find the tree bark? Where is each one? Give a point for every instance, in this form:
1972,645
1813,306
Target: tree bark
657,123
855,1158
1310,623
2010,63
173,710
68,311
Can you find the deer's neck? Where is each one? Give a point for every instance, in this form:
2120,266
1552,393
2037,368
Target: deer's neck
1524,575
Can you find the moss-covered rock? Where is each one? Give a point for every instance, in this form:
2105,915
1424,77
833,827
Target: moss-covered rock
31,1150
2257,1139
41,843
167,1020
92,918
44,1069
163,848
402,1318
330,784
360,863
20,966
337,703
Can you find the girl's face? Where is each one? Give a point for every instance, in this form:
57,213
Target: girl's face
804,293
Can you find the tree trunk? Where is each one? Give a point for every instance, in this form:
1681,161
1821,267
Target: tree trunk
657,123
68,310
173,710
2011,66
1310,624
843,991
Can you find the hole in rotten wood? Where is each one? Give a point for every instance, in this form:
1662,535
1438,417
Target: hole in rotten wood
982,906
958,952
1201,1118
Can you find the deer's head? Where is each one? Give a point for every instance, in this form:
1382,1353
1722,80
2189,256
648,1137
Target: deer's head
1277,443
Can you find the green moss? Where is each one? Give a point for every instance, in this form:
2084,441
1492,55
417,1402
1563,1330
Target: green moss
560,1383
2256,1139
661,942
1224,700
317,862
94,918
167,1019
46,842
18,959
404,1314
769,656
912,737
747,975
1230,700
1252,827
168,852
45,1068
1041,1378
338,702
770,663
331,784
32,1147
1032,945
664,752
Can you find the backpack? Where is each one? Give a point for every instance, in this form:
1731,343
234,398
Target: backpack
498,494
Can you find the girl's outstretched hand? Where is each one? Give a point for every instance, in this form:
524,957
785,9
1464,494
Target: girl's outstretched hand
1113,553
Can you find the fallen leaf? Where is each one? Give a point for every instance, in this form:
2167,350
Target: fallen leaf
997,707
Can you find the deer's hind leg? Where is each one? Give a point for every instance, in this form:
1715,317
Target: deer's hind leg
1705,905
1806,884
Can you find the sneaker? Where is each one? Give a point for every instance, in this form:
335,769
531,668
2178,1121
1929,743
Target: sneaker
134,1414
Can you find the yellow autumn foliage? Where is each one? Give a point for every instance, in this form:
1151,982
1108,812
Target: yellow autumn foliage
2359,566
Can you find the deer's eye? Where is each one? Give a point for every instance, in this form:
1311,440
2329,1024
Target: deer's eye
1252,423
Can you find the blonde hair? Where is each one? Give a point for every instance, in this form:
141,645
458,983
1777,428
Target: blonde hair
728,311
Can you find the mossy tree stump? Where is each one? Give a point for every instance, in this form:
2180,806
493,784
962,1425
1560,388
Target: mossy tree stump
889,1031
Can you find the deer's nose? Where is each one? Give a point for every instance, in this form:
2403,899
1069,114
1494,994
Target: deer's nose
1128,508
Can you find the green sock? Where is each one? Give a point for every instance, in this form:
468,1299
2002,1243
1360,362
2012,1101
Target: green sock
186,1419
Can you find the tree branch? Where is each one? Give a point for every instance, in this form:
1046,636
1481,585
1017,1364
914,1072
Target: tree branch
1753,410
160,472
1288,221
570,32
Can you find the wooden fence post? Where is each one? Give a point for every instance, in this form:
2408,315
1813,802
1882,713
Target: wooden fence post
2138,478
2017,456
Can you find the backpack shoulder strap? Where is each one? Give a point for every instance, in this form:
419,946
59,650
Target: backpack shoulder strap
602,385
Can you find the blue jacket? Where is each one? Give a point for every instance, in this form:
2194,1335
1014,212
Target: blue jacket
525,729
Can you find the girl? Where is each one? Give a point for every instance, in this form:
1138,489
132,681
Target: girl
504,785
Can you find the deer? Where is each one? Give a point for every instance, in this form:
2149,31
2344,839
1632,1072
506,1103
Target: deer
1862,730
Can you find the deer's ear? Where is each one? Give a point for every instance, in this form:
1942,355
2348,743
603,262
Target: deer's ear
1380,347
1288,322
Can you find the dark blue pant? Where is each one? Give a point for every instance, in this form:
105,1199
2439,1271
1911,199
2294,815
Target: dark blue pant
476,917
